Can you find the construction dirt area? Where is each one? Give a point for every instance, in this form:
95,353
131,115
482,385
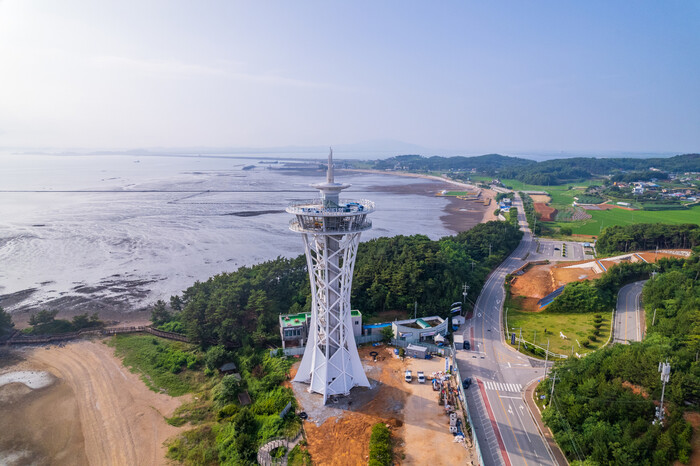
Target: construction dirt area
90,410
538,281
338,433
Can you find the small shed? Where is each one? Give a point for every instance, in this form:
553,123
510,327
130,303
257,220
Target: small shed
415,351
439,338
228,368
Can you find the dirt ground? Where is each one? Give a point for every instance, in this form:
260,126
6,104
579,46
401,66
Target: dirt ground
338,433
97,412
694,420
540,198
540,280
547,213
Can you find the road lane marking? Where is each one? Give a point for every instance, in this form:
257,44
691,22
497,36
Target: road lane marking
511,428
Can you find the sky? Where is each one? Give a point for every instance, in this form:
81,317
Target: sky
465,75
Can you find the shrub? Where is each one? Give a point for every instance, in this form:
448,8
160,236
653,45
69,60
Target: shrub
380,446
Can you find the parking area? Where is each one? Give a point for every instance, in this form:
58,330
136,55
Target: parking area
338,433
559,251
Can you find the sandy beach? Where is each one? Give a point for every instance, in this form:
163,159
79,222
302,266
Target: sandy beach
94,412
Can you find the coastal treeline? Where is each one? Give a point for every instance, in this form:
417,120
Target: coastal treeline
242,307
6,324
647,236
604,405
548,172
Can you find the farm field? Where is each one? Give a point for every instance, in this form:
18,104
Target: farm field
562,195
606,218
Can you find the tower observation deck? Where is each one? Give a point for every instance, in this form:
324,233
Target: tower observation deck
331,229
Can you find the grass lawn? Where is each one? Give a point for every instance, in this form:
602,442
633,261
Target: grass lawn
574,325
606,218
164,365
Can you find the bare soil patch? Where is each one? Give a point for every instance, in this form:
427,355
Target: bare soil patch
694,420
540,198
96,413
546,212
338,433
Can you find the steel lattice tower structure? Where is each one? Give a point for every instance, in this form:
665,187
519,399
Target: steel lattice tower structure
331,231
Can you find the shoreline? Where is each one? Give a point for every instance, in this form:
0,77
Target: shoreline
451,219
126,300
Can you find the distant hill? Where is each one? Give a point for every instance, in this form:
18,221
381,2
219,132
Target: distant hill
481,163
549,172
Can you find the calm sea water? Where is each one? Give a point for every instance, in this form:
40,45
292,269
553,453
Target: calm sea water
125,231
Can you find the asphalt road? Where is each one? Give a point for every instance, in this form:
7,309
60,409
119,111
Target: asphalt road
506,432
628,315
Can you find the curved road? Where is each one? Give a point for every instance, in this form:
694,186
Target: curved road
628,316
504,427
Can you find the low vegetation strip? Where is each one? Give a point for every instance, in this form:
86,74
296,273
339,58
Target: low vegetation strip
380,447
164,365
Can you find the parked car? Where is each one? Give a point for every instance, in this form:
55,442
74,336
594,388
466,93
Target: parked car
421,377
466,383
409,376
466,345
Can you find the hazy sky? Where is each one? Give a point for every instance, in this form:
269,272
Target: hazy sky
472,75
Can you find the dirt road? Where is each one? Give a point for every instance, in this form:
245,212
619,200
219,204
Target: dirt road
114,418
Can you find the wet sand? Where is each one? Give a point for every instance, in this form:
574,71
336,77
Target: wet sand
95,412
459,215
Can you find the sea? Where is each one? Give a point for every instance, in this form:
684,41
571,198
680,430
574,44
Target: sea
114,233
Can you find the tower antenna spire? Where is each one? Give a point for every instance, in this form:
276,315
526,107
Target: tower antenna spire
329,173
331,228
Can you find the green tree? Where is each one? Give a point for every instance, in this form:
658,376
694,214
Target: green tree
387,333
160,314
43,317
6,324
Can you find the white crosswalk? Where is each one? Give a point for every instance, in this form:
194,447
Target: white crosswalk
503,387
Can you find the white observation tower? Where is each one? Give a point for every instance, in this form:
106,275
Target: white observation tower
331,229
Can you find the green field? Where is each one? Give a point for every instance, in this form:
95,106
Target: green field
576,326
562,195
606,218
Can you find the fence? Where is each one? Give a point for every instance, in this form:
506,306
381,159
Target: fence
19,339
463,397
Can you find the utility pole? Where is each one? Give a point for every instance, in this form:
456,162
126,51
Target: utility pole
465,289
415,309
551,395
521,338
665,370
654,319
546,358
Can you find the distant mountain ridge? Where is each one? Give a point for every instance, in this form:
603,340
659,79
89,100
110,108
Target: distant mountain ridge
549,172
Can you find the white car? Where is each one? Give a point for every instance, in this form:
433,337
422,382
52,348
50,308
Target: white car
421,377
409,376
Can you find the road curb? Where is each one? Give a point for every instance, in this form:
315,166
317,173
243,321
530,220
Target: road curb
552,447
